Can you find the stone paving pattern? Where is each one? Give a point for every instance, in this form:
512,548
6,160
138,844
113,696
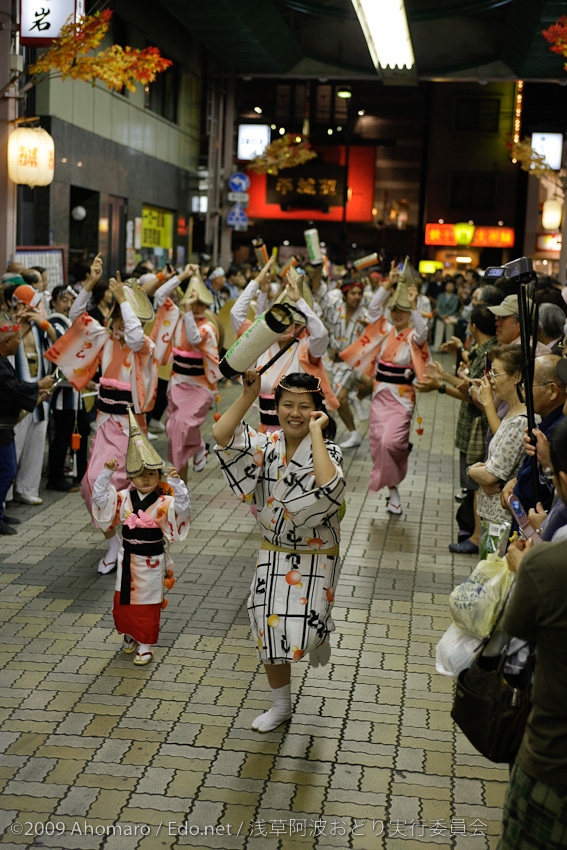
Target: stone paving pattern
371,758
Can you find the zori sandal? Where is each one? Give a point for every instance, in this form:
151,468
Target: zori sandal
143,657
129,644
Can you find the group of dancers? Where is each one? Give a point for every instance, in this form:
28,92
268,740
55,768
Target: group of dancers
285,466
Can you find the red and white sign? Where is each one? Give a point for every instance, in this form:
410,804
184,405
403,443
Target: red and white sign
549,243
41,20
484,237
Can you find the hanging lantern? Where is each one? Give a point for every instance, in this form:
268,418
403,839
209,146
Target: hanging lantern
551,216
31,156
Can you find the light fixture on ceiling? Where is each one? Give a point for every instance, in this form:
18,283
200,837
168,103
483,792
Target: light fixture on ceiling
329,132
361,112
385,28
258,110
281,131
344,92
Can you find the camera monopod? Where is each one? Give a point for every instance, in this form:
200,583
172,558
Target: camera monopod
521,272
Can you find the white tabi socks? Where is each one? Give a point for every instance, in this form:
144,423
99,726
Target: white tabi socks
108,563
280,712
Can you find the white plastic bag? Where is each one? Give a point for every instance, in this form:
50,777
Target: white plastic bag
455,651
476,603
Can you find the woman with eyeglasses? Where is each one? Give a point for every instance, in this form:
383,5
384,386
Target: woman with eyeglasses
506,449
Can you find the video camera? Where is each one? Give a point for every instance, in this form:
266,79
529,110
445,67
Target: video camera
521,270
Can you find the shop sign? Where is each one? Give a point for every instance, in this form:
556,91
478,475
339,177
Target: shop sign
157,228
484,237
549,243
320,184
41,23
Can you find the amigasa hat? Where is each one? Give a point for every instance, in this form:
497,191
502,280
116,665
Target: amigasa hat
140,453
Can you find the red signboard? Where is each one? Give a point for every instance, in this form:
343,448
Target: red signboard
484,237
360,183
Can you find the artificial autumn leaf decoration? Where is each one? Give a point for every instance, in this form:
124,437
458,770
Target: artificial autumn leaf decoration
116,66
286,152
556,34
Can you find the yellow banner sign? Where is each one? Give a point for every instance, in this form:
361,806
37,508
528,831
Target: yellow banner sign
157,228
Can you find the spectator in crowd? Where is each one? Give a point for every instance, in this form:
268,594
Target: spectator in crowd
549,397
15,395
103,302
446,313
536,800
67,410
235,280
472,425
551,327
216,284
506,449
37,335
508,323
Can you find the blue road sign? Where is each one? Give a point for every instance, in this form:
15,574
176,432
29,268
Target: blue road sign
237,217
239,182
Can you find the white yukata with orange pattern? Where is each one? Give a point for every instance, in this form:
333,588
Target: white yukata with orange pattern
292,592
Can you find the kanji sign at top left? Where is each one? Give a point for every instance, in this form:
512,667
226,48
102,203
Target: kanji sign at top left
41,20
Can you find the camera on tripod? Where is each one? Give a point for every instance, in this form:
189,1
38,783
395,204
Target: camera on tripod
521,270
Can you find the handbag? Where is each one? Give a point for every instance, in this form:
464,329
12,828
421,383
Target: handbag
491,707
476,449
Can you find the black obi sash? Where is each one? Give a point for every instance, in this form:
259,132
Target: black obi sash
391,374
151,542
268,415
193,366
113,400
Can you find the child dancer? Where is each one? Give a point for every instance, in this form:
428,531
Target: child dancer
294,478
149,512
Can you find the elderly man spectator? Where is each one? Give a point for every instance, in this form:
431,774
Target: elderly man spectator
551,327
508,323
550,396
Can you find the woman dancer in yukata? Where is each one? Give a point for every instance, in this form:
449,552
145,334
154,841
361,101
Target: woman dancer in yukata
304,355
151,511
294,477
394,354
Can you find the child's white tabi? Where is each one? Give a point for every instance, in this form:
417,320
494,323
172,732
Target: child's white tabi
294,584
144,565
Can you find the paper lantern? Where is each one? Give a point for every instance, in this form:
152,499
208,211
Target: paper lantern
31,156
551,216
464,233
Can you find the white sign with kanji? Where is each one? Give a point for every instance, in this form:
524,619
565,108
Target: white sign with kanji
41,20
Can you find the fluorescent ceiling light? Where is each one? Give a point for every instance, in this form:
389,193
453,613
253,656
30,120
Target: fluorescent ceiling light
385,29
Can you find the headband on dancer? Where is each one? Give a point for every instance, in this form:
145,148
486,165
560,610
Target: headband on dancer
7,329
346,286
282,385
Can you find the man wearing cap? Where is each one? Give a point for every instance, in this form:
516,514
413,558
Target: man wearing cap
15,395
37,335
126,359
508,323
183,333
216,285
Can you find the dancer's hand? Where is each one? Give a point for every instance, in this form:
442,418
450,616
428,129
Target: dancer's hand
117,289
251,383
319,421
111,464
263,278
172,472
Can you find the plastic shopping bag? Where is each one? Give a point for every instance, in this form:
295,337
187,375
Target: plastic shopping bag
455,651
476,604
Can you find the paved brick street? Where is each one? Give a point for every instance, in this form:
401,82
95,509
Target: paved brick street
371,758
